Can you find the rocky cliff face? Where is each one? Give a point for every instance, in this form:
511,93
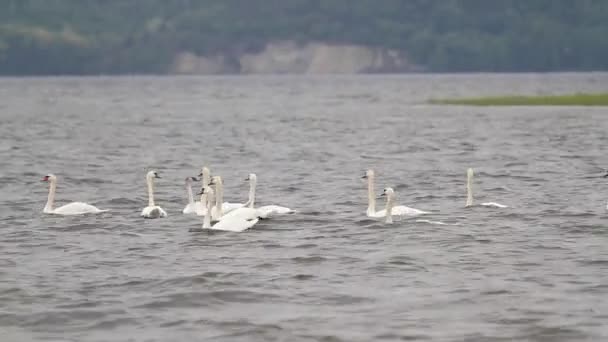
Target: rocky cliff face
287,57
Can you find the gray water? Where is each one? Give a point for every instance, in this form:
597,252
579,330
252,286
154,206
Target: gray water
536,271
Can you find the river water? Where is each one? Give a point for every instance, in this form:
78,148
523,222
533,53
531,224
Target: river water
536,271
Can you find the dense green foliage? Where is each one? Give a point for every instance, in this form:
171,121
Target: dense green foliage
558,100
143,36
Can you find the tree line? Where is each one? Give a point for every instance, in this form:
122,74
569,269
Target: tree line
143,36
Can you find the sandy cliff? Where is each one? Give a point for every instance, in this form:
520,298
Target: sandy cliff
287,57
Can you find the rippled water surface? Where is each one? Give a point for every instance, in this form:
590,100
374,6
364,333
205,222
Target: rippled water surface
536,271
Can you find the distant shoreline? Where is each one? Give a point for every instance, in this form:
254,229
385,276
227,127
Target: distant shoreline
579,99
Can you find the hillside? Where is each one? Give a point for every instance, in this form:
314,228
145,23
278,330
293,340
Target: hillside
146,36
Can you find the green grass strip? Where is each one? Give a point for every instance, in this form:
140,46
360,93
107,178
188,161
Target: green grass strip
557,100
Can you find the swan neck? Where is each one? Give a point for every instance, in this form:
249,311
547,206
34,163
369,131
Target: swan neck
389,209
206,178
51,198
150,192
190,194
371,199
469,190
251,200
209,204
219,199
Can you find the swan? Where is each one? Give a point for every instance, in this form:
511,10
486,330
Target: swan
236,223
152,210
469,203
220,208
193,206
74,208
265,210
400,210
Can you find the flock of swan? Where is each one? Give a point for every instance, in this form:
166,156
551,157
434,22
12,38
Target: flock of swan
237,217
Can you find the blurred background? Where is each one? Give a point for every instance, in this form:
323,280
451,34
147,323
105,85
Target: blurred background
50,37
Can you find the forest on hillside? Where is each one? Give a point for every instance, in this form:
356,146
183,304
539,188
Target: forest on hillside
143,36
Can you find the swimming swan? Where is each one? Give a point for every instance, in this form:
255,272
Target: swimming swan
152,211
400,210
469,203
221,208
193,206
74,208
235,223
265,210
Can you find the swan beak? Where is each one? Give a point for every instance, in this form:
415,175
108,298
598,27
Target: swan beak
364,177
201,192
382,195
211,183
247,179
606,175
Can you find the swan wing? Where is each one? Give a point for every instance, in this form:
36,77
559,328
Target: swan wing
153,212
77,208
269,210
402,210
241,213
235,224
493,205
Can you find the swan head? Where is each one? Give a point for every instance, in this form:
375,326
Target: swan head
189,180
252,177
368,174
152,174
49,178
206,190
204,172
215,180
470,173
388,193
210,194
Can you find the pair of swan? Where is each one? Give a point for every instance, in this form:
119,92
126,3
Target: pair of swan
236,217
74,208
400,210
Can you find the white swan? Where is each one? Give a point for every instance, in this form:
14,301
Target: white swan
236,223
74,208
400,210
265,210
469,203
193,206
221,208
152,210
